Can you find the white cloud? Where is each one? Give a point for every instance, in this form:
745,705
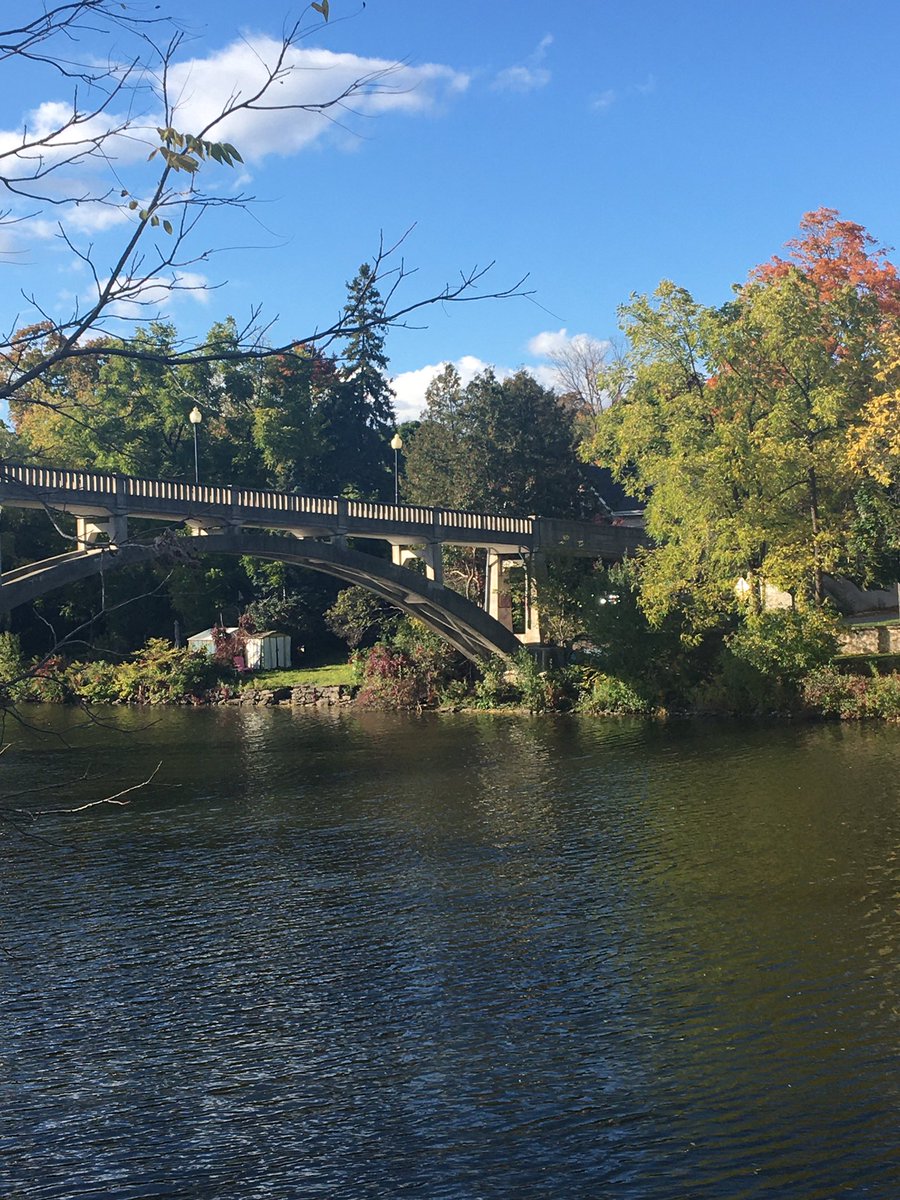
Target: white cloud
574,365
94,218
548,342
528,75
51,124
558,341
410,386
202,87
522,79
547,377
311,76
603,101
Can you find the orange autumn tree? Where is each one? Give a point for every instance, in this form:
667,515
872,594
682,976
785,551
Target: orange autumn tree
834,254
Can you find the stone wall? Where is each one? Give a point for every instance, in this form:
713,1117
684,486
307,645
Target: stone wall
303,695
883,639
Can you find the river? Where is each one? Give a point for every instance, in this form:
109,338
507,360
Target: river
346,954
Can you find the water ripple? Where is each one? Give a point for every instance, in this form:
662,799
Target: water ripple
466,957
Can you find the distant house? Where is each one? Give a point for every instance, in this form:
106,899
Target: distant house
610,498
263,651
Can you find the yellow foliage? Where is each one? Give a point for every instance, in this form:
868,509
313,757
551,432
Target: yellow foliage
873,446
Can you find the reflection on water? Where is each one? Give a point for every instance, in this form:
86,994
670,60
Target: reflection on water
342,954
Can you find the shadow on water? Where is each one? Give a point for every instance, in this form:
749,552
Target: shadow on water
348,953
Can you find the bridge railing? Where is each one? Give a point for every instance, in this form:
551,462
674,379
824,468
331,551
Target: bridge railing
116,490
60,479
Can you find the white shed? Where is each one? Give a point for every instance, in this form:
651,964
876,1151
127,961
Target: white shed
204,640
267,651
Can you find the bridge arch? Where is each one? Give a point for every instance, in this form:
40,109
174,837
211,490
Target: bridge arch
457,620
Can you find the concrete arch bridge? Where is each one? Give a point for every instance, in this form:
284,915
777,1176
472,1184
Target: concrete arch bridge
311,531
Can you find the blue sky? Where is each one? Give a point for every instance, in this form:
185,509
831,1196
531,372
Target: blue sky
595,146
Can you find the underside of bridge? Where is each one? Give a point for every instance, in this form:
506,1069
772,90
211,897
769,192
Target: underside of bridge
460,622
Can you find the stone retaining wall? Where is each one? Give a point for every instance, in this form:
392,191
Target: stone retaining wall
303,695
883,639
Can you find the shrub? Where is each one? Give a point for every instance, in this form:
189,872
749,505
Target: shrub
357,615
604,694
390,680
46,682
13,668
495,687
455,695
883,698
825,690
95,683
531,682
161,672
785,645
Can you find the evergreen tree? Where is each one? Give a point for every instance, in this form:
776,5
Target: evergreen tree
495,446
358,418
437,452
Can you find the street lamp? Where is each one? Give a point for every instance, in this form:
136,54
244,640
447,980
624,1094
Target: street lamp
396,446
195,416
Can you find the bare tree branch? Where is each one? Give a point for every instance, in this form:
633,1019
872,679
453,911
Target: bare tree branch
82,163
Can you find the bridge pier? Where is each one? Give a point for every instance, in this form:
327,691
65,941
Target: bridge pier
499,593
204,527
431,554
93,531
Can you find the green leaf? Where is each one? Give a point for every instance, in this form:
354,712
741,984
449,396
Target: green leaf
154,221
167,226
132,204
321,8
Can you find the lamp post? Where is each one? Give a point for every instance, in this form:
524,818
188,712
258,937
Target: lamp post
195,416
396,446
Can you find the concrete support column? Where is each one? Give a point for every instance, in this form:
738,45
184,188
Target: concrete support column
499,598
431,555
97,531
201,527
536,572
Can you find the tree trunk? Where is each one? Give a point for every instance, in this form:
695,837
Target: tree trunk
819,590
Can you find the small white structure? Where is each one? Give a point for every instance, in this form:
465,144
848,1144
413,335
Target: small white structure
267,651
204,640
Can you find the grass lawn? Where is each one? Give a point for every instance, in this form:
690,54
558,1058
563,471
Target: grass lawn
323,676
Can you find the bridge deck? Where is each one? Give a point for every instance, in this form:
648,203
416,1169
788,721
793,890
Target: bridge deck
100,494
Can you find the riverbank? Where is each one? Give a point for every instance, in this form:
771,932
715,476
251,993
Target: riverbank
849,688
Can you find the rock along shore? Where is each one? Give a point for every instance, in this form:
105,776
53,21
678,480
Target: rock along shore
303,695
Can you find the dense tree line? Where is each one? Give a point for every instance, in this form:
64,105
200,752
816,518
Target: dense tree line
494,445
303,421
762,433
